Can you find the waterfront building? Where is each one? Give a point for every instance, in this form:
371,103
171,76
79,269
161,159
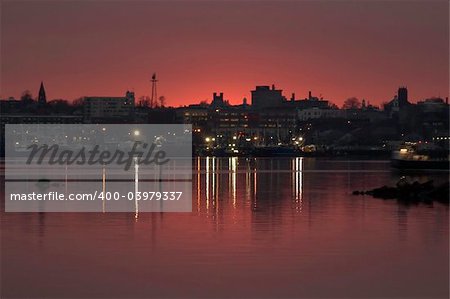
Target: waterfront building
40,119
196,115
433,116
108,109
10,105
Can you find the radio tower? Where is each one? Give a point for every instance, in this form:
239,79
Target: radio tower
154,97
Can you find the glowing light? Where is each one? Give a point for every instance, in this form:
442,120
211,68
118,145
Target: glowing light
233,168
403,150
207,181
136,187
136,133
207,139
234,137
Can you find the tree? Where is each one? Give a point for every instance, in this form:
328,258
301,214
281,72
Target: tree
162,101
352,103
26,97
145,101
333,106
78,102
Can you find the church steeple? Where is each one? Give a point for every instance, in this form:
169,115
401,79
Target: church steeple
42,99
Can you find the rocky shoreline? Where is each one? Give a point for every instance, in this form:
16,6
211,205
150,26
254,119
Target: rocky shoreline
411,192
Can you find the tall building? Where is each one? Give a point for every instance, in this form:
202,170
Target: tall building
109,108
218,101
42,98
265,97
402,96
399,101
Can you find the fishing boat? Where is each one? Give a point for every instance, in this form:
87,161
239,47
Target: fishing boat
411,157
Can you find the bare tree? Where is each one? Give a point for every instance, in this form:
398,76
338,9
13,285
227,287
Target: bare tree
145,101
26,96
162,101
78,102
333,105
352,103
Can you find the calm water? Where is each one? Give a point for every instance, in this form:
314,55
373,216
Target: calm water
266,228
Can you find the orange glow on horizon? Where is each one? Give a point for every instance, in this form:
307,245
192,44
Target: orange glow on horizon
336,50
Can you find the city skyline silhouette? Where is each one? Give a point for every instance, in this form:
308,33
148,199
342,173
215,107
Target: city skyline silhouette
337,50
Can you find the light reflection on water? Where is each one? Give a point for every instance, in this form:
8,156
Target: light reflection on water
259,228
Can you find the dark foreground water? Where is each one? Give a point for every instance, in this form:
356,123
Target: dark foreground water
266,228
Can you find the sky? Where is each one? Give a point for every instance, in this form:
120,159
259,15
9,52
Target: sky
336,49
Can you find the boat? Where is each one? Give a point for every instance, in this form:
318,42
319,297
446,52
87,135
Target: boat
274,151
411,157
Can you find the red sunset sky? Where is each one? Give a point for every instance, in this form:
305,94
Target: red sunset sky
338,49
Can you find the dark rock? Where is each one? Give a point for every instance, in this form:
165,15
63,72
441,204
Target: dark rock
415,192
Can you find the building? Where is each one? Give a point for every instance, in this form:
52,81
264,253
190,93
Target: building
402,96
432,105
218,101
42,98
309,103
109,109
433,120
264,96
10,105
34,119
397,103
316,112
276,125
230,120
40,119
